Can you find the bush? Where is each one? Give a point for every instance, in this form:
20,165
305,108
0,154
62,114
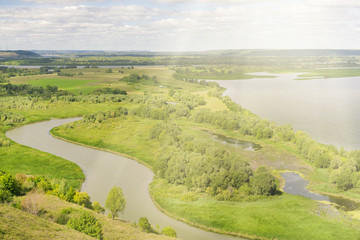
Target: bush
97,207
168,231
83,199
5,195
86,223
8,182
145,225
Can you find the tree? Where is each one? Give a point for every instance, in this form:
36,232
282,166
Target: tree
115,201
264,183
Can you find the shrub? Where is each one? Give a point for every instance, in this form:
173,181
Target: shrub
168,231
83,199
8,182
145,225
86,223
5,195
97,207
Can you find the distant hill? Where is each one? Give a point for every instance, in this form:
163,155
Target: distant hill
17,54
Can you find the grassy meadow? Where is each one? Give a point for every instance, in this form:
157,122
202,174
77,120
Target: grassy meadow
17,224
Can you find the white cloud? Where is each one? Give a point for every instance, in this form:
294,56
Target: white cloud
62,2
334,3
127,27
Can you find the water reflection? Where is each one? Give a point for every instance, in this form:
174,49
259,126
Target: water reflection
250,146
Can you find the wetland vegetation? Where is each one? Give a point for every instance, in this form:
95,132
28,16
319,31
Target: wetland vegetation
165,118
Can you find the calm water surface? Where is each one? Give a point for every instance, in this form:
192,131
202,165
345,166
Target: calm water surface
296,185
327,109
104,170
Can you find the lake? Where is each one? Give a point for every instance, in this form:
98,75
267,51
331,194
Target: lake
327,109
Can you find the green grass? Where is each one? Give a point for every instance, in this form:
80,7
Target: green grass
17,224
70,84
331,73
129,137
22,159
282,217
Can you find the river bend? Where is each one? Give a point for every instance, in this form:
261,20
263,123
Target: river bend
103,170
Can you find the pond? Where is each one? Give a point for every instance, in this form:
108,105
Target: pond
246,145
296,185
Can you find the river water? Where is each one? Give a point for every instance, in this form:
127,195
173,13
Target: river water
103,170
327,109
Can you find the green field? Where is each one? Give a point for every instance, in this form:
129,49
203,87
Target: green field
331,73
282,217
72,85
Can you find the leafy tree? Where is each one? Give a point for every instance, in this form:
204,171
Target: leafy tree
83,199
86,223
115,201
264,183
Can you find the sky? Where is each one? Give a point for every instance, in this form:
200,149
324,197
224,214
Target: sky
179,25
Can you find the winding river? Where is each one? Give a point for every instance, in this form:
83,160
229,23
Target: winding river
103,170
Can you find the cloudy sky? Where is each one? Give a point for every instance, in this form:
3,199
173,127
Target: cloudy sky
179,25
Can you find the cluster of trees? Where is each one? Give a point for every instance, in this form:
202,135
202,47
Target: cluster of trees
66,74
149,111
92,98
345,168
113,60
210,169
29,90
21,184
187,99
136,78
8,72
191,74
23,102
102,116
115,91
9,118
